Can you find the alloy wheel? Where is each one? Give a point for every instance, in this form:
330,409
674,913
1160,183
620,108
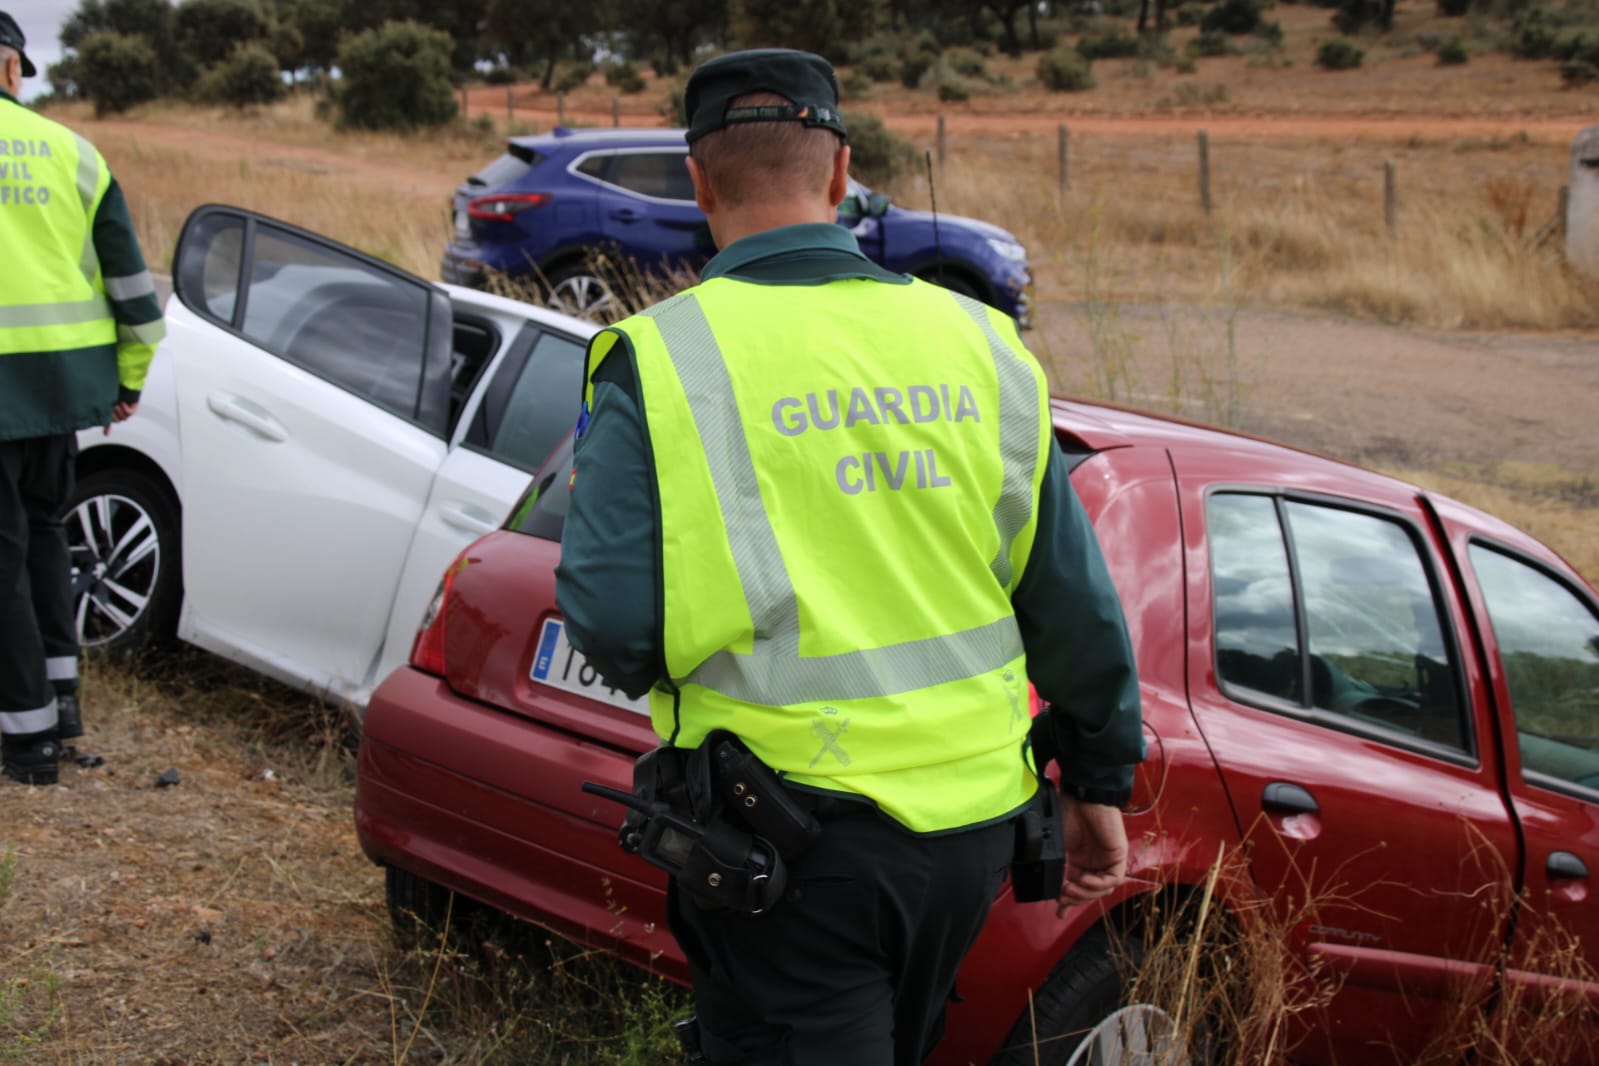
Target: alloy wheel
116,565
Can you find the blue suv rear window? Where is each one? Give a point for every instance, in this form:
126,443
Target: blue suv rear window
517,161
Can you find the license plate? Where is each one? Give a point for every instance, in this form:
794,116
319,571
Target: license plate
463,225
562,666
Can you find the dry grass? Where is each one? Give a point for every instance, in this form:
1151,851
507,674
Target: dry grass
1300,223
232,917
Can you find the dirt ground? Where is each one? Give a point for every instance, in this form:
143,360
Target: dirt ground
232,919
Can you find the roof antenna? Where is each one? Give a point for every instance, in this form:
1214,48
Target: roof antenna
932,194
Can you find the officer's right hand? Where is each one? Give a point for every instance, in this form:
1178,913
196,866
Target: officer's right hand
1096,852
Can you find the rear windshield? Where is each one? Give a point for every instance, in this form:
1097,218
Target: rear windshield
541,512
516,161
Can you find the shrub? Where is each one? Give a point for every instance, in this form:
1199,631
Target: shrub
1270,32
1065,70
569,76
854,85
117,71
879,68
1454,8
1452,53
876,155
966,63
913,67
248,76
954,88
1236,17
1212,43
1340,53
624,76
1190,14
395,77
504,75
1113,45
1579,72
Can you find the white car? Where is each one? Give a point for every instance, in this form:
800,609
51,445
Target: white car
319,436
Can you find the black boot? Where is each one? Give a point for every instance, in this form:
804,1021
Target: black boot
31,759
69,719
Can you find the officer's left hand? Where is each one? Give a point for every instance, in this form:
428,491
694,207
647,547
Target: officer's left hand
121,413
1096,852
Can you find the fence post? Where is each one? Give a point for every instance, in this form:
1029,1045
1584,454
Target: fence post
1204,171
616,112
560,109
463,101
1060,151
1562,208
508,109
1390,197
941,138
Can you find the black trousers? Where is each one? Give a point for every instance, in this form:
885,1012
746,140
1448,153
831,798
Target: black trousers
855,966
38,635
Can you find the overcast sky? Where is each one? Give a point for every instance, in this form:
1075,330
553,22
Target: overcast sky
40,21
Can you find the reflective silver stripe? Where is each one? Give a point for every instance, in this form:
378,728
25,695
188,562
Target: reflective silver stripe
21,723
144,333
88,180
61,667
773,671
131,287
1019,412
73,313
761,571
764,676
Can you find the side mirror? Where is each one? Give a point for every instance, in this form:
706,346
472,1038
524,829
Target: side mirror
850,206
876,205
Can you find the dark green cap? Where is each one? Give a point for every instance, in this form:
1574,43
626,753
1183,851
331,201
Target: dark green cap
807,81
11,37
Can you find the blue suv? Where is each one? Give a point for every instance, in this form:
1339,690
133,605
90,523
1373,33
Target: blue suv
550,202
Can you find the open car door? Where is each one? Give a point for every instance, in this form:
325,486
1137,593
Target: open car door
314,399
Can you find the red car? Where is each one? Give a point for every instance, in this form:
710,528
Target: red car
1376,707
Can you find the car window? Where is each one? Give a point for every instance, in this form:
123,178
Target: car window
1548,642
541,512
505,169
533,400
338,317
595,166
659,174
211,277
1332,610
1257,636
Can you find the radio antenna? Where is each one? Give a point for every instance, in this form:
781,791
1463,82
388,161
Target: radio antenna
932,195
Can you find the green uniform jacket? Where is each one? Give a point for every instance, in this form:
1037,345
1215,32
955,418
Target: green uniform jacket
609,587
43,393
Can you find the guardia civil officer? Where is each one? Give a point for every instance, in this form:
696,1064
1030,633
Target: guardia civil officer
79,323
818,505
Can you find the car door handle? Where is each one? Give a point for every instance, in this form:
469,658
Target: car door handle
627,214
1563,865
471,519
232,408
1295,799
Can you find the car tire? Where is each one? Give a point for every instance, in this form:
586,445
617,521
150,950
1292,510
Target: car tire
423,917
580,290
953,280
125,542
1080,1016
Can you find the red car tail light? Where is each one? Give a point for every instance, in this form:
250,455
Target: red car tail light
505,206
427,651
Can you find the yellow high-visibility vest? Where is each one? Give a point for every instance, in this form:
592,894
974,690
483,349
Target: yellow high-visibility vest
843,525
52,298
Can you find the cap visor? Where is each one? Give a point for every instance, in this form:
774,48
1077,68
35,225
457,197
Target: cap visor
28,69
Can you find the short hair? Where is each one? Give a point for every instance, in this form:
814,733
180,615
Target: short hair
749,160
6,52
